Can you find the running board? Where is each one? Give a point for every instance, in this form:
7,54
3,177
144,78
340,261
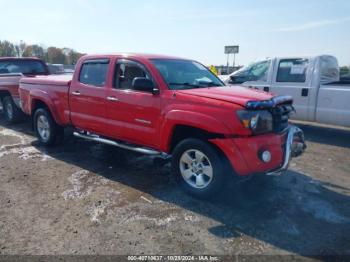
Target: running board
141,150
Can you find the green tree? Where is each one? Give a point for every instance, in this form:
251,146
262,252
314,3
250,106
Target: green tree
74,57
7,49
34,50
344,70
55,55
51,55
20,48
71,56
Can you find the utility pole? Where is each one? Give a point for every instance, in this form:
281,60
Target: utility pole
234,60
228,65
233,49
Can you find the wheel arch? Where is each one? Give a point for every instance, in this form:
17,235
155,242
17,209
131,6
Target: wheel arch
178,123
181,132
37,103
4,93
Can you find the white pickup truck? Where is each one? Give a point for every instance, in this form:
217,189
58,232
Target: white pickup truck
314,82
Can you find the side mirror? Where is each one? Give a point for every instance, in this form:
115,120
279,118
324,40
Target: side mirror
144,84
233,80
237,80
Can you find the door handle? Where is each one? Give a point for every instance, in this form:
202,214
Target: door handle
304,92
112,99
76,93
266,88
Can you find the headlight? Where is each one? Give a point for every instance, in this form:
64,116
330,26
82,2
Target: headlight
259,121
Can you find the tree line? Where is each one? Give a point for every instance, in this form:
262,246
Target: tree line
344,70
52,55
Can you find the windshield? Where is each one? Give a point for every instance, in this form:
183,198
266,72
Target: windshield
256,71
185,74
22,66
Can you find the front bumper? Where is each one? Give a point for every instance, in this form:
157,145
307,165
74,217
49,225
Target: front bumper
243,152
294,147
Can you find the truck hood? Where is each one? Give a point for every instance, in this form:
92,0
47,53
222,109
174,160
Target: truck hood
235,94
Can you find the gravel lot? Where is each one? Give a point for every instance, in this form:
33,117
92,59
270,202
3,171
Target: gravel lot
87,198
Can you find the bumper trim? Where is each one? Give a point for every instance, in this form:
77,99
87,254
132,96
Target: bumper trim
295,146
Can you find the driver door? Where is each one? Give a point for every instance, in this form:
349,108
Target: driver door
293,77
259,76
132,115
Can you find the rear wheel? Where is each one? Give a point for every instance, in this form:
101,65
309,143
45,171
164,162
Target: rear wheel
12,113
198,168
47,131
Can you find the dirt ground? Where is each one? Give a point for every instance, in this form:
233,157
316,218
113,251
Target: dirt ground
87,198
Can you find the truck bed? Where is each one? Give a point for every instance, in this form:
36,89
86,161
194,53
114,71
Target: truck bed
51,90
9,80
343,82
333,105
9,83
58,80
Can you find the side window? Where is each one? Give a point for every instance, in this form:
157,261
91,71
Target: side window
292,70
94,72
126,71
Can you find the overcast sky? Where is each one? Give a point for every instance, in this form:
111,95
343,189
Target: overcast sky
197,29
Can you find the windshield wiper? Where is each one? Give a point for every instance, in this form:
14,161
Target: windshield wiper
208,84
184,84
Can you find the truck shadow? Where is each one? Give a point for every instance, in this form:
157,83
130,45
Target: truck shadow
326,135
292,212
25,126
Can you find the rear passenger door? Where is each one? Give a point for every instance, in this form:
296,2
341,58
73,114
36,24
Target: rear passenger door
87,96
293,77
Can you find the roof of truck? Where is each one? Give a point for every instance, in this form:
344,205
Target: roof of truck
138,55
20,58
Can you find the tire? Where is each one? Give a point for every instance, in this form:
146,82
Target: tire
11,112
46,129
198,168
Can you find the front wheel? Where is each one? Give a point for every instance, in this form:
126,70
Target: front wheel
47,131
198,168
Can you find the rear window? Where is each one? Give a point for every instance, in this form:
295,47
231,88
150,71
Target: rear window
22,66
292,70
94,72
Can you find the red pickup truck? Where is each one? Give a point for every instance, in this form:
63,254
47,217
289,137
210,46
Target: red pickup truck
12,69
167,106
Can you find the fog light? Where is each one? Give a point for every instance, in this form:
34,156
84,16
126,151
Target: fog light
266,156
